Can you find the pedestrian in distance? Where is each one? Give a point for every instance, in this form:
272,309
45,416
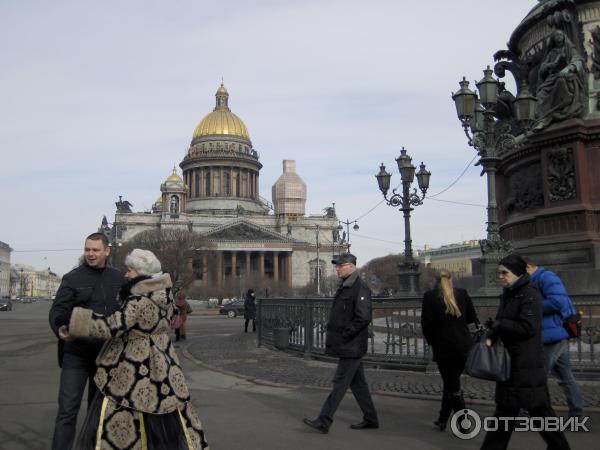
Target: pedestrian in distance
519,324
183,307
94,285
347,338
250,310
445,317
143,400
557,307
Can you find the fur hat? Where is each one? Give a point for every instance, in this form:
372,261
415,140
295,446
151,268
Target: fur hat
143,262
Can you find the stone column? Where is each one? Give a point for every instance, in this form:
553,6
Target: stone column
247,265
288,266
205,272
261,265
233,265
275,266
256,175
220,270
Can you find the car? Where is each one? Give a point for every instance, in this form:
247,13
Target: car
233,308
5,305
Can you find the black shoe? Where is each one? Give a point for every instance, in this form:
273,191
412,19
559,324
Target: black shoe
441,424
316,424
364,425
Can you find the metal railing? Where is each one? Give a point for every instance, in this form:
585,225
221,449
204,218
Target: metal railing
395,336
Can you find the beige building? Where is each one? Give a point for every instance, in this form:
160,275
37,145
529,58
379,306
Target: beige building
244,236
30,282
456,258
4,269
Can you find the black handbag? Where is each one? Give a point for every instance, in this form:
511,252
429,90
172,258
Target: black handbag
488,362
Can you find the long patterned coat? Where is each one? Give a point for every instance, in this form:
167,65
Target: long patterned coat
138,368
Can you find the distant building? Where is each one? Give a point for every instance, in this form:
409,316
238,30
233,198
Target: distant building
4,269
456,258
248,238
30,282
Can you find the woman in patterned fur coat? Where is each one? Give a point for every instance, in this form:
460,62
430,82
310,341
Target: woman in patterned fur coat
143,403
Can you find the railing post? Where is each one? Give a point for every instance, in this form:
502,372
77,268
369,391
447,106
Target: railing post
260,322
308,328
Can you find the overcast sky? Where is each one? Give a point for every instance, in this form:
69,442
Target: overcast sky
100,99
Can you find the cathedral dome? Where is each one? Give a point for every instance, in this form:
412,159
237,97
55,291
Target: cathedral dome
221,121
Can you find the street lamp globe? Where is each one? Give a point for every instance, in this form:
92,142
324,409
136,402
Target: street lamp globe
383,180
488,89
355,227
524,105
464,100
476,122
407,170
423,177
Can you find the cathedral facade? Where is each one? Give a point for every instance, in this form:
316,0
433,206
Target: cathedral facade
242,236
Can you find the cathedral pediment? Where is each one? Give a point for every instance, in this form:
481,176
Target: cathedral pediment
245,232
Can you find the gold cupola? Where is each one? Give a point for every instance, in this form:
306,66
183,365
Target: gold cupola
221,121
174,176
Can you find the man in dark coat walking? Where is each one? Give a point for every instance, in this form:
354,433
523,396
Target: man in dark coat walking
347,338
95,286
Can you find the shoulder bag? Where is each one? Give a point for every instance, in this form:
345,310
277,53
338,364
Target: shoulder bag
488,362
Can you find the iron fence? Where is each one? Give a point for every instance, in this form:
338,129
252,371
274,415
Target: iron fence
395,336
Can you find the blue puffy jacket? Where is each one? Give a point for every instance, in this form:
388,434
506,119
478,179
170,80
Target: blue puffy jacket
557,304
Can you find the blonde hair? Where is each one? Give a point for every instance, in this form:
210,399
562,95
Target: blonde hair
447,289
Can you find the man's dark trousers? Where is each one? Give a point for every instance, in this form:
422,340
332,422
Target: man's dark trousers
76,372
350,373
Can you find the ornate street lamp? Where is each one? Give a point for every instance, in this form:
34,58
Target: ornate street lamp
492,137
347,222
409,269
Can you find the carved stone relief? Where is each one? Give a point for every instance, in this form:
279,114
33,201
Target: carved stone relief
561,175
525,189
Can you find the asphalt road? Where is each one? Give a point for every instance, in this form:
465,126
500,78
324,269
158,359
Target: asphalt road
237,414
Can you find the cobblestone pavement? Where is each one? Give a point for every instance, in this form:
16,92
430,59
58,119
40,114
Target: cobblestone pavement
238,354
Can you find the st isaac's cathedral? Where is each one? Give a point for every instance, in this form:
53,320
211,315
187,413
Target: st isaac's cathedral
242,235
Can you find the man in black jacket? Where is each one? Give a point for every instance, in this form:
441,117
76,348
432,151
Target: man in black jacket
347,338
95,286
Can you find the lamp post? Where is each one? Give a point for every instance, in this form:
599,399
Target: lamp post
348,222
492,136
408,270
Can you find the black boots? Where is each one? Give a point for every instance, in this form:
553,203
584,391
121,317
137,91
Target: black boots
451,401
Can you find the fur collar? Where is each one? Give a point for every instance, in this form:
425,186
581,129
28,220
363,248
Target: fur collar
152,284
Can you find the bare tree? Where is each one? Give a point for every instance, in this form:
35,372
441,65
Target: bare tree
175,248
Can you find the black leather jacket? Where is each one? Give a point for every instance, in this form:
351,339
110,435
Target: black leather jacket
349,318
92,288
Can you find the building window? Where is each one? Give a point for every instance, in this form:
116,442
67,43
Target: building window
197,186
207,184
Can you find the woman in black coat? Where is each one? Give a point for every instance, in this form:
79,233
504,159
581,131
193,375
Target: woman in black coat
249,310
445,316
518,323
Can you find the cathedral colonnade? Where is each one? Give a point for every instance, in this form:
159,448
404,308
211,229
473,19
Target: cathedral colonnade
221,181
218,267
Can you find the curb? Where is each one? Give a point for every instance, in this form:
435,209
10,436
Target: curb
261,382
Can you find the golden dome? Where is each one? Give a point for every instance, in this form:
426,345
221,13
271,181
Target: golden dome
221,121
174,176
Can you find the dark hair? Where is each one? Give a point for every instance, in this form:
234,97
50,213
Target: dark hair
528,260
98,237
250,291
